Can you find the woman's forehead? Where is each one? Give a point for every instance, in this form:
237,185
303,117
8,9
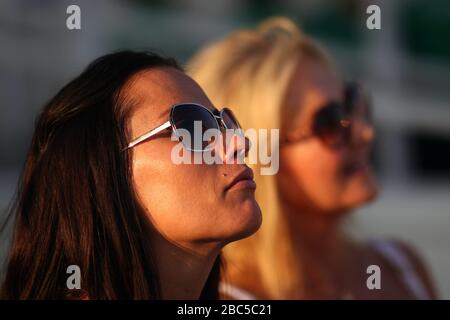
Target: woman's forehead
313,85
158,89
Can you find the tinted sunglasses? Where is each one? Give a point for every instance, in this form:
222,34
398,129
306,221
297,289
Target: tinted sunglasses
189,117
333,123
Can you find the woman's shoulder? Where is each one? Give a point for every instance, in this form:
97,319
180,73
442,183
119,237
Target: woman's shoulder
241,282
230,291
409,263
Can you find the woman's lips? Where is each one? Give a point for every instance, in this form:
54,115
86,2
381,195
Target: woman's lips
243,184
243,180
356,167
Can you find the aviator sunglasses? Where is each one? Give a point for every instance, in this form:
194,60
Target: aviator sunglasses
333,123
184,116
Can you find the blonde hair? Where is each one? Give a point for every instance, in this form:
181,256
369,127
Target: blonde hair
249,71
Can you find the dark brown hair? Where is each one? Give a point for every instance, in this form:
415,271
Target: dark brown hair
75,203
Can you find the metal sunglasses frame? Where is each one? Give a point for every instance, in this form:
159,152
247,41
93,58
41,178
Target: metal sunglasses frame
170,124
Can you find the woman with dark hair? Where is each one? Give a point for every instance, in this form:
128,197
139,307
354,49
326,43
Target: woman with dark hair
99,189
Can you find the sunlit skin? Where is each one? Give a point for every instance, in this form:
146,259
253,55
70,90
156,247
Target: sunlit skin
192,210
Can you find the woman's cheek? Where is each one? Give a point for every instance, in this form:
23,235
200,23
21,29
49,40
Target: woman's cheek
316,172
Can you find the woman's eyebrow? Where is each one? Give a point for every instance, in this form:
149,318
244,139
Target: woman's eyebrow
163,115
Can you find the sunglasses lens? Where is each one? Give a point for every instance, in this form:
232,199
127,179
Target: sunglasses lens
191,122
330,125
229,119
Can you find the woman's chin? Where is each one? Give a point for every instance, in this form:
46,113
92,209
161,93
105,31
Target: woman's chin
360,198
246,220
360,191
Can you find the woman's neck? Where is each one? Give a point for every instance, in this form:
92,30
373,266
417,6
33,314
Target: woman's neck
326,255
182,271
312,225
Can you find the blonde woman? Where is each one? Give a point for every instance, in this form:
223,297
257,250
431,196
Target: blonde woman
277,77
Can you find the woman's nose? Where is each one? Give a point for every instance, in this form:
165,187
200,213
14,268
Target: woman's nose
234,146
368,133
363,132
